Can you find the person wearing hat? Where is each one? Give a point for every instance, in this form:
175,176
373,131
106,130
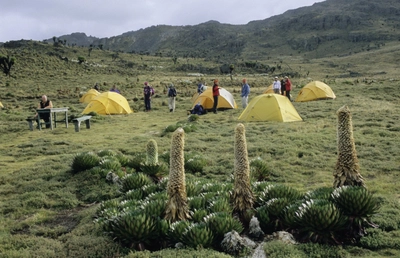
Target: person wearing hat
245,93
215,90
171,97
276,86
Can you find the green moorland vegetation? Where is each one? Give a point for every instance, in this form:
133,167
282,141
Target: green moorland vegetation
48,202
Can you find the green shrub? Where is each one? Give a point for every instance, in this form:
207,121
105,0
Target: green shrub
377,239
279,249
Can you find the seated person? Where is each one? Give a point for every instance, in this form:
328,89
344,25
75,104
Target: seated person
45,103
114,89
198,110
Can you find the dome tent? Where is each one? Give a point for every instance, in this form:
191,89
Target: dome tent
314,91
270,107
88,96
225,100
108,103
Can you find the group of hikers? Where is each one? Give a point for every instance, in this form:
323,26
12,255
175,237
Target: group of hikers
284,86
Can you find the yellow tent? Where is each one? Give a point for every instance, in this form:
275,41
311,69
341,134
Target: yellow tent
270,107
88,96
269,90
108,103
1,105
225,99
315,90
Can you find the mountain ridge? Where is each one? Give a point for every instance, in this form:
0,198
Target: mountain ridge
329,28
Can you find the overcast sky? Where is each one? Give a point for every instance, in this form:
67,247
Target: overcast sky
43,19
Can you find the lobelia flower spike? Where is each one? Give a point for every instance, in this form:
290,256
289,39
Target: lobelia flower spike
177,206
152,152
242,196
347,170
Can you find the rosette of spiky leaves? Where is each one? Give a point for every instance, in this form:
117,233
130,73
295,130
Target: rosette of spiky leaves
149,189
358,204
155,171
176,230
110,163
288,217
278,191
124,160
157,196
126,205
161,230
198,235
263,217
135,194
153,208
319,193
198,214
219,205
84,161
134,181
320,221
220,190
259,170
162,184
193,188
110,153
242,195
194,163
258,188
107,210
347,169
136,160
133,227
221,223
177,207
196,202
275,208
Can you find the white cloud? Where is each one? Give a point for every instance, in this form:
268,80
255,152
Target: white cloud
43,19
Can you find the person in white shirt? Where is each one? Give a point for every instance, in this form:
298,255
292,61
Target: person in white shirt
276,86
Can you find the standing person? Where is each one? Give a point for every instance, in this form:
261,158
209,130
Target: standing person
200,88
96,86
215,90
245,93
276,86
171,97
147,92
44,104
288,87
283,86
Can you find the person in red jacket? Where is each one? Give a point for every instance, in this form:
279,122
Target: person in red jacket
215,90
288,87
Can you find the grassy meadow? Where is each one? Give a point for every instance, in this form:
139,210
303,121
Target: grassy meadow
47,211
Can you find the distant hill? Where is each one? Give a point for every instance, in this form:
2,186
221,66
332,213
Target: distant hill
330,28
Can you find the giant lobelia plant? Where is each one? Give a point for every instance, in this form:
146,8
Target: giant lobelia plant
177,207
242,195
347,170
